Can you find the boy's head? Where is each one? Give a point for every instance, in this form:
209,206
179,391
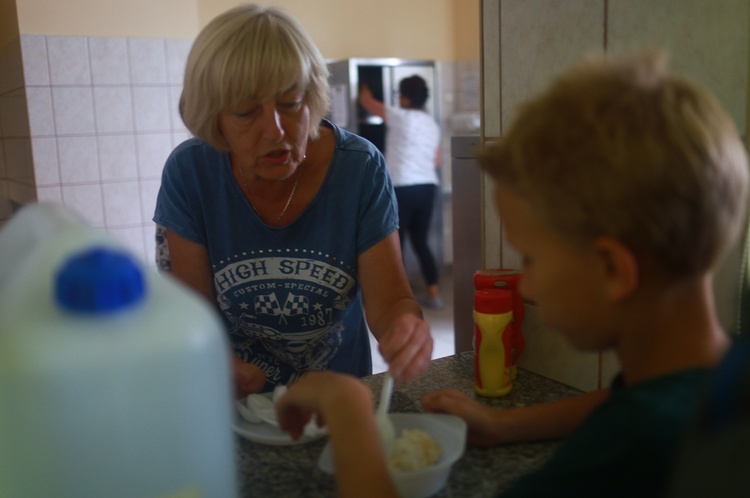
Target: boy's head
622,149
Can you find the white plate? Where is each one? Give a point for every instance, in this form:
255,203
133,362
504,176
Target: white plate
269,434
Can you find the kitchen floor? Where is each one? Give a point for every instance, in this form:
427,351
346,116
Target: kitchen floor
441,323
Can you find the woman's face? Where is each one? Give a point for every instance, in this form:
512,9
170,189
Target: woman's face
267,139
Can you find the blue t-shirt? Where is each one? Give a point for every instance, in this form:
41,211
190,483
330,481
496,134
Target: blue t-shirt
289,296
626,447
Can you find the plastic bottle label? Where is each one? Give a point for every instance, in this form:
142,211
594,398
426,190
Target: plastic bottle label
491,377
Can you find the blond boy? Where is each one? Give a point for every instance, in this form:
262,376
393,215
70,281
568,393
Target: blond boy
623,187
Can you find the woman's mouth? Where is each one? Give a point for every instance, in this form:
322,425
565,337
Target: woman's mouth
278,156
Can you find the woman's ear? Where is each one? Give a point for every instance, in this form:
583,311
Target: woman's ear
618,266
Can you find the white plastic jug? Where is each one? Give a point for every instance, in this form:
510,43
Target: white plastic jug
123,394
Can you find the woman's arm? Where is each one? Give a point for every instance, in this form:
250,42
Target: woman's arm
191,266
370,103
392,313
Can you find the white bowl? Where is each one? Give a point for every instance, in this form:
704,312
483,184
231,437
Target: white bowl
450,433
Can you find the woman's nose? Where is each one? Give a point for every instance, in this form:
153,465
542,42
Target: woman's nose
272,127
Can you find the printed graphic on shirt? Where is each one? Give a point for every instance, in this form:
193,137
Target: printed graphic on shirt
285,309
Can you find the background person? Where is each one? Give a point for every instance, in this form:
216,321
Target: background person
281,219
412,155
623,187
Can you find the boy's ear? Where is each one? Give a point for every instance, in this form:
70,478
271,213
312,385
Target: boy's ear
618,267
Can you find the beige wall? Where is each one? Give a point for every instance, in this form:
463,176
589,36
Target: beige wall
8,24
341,28
134,18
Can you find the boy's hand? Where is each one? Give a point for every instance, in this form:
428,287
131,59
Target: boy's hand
482,426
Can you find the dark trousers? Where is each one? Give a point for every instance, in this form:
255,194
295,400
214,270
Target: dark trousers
415,205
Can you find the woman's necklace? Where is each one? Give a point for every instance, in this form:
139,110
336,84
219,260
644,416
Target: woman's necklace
288,201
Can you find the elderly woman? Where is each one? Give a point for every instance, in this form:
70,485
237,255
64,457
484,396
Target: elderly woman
285,221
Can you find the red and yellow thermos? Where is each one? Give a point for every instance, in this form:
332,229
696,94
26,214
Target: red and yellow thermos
493,314
505,279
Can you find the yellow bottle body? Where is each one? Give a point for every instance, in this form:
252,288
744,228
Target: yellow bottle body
492,377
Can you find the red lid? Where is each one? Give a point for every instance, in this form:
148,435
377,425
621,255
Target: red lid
493,301
490,278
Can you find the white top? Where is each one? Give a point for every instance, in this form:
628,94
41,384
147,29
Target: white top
412,138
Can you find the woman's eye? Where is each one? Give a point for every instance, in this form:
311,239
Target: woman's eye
291,106
246,113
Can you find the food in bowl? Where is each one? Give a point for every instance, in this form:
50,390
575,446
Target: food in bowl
449,433
414,450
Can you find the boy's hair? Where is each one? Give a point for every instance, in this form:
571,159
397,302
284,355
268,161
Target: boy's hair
250,53
622,148
415,89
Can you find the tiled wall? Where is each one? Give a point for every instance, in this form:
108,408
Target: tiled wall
89,121
527,42
102,118
16,166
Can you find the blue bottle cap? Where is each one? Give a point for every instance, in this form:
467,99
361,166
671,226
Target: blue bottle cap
99,280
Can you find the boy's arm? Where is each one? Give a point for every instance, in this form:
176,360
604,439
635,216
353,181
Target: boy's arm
491,426
345,404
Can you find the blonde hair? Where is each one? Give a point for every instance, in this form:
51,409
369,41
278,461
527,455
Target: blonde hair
621,148
250,53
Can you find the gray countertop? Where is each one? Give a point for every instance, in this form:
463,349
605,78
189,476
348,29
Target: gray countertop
285,471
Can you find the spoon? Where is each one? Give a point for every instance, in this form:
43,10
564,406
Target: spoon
382,420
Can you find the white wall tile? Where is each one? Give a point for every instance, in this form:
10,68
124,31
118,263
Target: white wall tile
35,61
149,192
707,41
49,194
541,38
109,61
151,106
179,137
86,200
74,110
41,116
79,160
46,167
131,239
176,123
152,153
122,204
177,54
113,109
148,64
69,60
117,157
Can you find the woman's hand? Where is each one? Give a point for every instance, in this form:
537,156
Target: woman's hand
482,426
248,378
406,345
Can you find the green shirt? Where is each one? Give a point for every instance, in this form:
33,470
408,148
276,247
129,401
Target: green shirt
626,447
